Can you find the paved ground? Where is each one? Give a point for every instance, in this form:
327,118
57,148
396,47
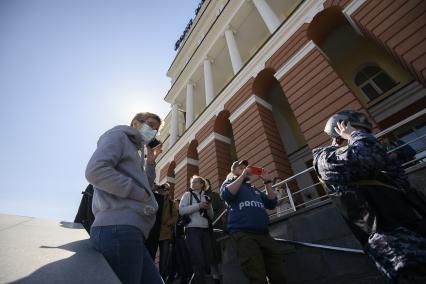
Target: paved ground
44,251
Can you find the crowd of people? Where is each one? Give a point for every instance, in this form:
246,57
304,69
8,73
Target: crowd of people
136,218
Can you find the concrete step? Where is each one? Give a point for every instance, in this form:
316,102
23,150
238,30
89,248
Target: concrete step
45,251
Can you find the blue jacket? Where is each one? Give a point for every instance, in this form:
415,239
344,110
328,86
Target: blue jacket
383,220
246,209
364,158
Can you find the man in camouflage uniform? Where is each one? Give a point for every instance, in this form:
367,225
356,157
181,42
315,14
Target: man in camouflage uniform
371,193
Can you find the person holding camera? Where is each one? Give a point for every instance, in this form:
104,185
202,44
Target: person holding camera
248,223
169,216
374,197
124,205
196,206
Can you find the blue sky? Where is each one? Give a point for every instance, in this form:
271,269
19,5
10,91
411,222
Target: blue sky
70,70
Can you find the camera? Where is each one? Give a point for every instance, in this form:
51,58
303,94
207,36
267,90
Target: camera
162,187
203,212
255,170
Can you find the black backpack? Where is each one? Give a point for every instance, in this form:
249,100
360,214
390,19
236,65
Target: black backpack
84,214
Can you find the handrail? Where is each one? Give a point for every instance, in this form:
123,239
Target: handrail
405,144
286,181
312,245
402,122
386,131
293,177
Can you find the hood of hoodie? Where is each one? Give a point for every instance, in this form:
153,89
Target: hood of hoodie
131,132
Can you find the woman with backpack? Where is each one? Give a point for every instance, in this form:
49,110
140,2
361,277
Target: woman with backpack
197,206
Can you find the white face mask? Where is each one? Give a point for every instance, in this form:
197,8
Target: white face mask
147,133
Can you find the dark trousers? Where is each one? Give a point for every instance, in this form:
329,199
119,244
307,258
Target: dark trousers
199,245
260,256
124,249
183,260
164,257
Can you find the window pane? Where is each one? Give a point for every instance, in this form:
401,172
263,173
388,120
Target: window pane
370,92
406,137
384,82
370,71
360,78
422,128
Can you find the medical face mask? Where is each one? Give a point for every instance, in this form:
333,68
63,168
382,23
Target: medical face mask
147,133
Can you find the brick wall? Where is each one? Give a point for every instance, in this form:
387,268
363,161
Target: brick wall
341,3
182,179
257,140
163,171
240,96
315,92
215,163
399,27
289,48
206,130
181,154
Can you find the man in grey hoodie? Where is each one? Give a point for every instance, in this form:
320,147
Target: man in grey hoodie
123,202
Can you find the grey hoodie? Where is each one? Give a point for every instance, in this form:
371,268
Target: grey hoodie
122,187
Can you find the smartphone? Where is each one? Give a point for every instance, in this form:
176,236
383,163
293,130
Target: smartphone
255,170
154,143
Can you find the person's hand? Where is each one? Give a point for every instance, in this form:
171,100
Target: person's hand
344,130
265,175
152,153
245,172
204,205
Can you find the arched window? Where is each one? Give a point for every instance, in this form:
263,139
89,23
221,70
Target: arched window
373,81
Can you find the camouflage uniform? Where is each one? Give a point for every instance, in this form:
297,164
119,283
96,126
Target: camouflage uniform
391,231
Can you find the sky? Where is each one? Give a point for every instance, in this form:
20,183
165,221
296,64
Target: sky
69,71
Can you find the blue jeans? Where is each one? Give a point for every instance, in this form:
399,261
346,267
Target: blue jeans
164,257
124,249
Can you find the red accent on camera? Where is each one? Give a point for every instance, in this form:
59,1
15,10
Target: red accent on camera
255,170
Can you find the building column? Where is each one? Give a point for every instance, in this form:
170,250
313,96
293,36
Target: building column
269,17
189,104
215,159
254,118
208,81
183,175
174,129
236,61
186,167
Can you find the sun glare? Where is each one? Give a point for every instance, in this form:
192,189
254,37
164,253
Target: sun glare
134,103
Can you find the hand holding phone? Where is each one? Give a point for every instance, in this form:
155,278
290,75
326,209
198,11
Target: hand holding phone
255,170
154,149
154,143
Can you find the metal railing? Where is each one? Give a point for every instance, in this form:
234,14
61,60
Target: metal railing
290,195
311,202
294,207
311,245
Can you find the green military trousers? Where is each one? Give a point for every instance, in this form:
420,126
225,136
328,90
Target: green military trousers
260,256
